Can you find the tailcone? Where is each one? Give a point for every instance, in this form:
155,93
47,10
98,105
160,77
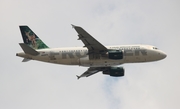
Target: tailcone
21,55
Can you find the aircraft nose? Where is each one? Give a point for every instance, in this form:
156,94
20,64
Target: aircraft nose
163,55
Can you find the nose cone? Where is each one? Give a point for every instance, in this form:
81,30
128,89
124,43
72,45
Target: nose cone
162,55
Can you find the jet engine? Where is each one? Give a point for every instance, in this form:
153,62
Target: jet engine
115,54
114,71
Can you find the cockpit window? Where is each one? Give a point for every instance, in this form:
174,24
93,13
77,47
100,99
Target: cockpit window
155,48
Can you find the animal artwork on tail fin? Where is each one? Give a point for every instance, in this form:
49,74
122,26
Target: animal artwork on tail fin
31,39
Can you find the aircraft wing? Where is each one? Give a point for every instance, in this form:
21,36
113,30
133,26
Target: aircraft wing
95,48
90,71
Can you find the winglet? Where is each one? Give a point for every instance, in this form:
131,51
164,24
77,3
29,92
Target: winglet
78,76
73,25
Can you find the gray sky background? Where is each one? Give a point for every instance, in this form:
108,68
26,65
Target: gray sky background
38,85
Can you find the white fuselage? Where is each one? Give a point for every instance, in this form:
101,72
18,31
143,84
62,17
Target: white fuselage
79,55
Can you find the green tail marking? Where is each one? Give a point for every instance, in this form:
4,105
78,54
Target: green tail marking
31,39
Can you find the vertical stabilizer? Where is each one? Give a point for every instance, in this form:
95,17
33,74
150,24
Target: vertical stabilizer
31,39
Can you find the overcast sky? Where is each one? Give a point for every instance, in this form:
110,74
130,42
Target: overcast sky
38,85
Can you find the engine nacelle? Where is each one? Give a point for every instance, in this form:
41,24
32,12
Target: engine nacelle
115,54
114,71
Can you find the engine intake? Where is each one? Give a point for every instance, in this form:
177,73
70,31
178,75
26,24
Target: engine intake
115,54
114,71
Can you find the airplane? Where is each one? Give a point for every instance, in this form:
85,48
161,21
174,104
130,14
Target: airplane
93,54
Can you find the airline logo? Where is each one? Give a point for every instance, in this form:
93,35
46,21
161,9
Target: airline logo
78,53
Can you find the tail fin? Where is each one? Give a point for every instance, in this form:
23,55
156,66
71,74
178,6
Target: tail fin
31,39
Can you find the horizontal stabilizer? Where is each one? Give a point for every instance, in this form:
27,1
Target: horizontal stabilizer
28,50
25,60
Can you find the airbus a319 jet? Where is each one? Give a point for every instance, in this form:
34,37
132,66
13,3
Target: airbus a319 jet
93,54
